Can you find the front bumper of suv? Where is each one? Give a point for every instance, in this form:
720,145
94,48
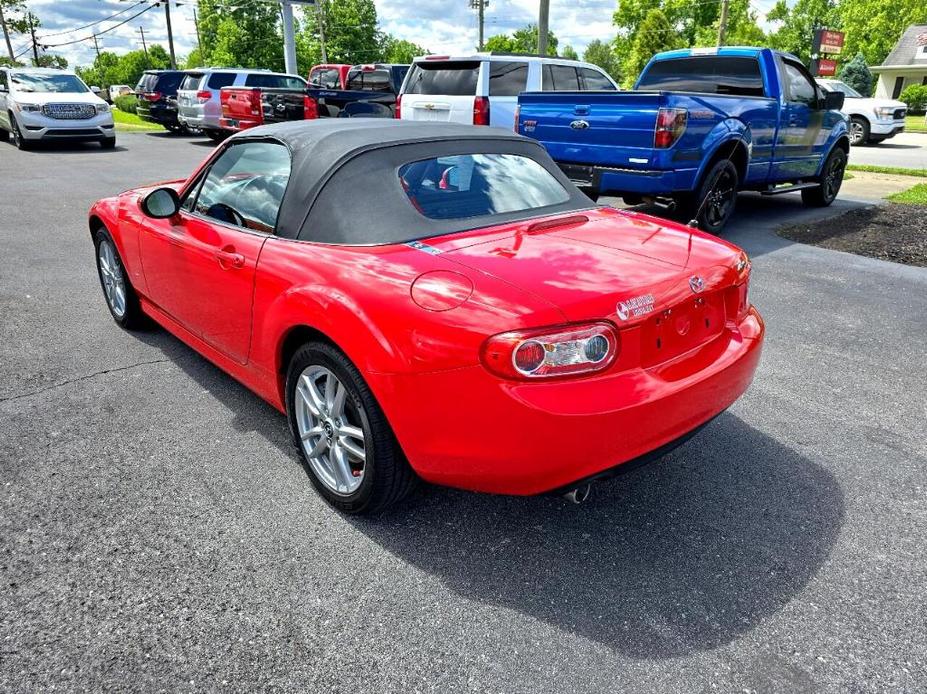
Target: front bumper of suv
36,126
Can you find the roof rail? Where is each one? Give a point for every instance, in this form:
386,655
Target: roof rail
524,55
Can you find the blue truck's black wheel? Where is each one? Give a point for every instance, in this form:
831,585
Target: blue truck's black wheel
717,196
831,180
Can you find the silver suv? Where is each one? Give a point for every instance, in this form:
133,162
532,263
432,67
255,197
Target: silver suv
198,103
43,104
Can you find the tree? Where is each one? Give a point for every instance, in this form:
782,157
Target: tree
856,74
399,50
798,23
915,96
9,10
569,52
655,34
742,28
524,40
601,54
241,34
59,62
873,28
351,33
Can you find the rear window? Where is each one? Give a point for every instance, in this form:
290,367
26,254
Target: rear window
191,82
559,78
325,78
146,83
461,186
217,80
706,75
507,79
169,81
445,78
369,80
275,81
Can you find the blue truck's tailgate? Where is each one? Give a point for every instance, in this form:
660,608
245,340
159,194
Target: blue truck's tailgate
598,128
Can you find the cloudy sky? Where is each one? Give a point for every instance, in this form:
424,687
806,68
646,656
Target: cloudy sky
440,25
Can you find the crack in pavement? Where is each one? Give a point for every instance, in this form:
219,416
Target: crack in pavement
82,378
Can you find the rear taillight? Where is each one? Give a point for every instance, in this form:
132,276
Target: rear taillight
399,106
310,108
671,124
517,116
569,350
255,98
481,110
203,96
152,96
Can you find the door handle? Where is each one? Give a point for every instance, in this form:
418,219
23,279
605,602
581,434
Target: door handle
228,258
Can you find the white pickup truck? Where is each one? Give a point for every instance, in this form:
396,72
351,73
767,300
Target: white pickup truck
871,120
40,104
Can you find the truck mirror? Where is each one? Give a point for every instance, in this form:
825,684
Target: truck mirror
833,101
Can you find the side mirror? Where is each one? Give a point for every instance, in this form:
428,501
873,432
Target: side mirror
833,101
161,203
95,90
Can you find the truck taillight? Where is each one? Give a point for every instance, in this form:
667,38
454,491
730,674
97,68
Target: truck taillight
567,350
671,124
203,95
481,110
399,106
517,116
255,99
310,108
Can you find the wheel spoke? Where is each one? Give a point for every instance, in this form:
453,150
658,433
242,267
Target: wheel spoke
320,447
352,448
314,431
340,468
337,406
310,394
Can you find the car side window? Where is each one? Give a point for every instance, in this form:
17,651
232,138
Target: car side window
217,80
799,85
4,82
244,186
507,78
560,78
593,80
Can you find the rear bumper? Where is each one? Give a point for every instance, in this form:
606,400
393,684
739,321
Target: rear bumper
466,428
235,125
613,180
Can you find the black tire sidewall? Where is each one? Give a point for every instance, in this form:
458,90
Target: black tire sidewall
836,153
707,184
132,315
379,443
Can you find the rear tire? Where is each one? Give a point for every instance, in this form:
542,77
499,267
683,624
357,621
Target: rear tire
368,484
831,180
717,196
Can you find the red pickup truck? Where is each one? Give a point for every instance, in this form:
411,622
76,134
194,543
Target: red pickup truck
331,76
243,107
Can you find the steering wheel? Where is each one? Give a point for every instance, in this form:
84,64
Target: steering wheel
226,213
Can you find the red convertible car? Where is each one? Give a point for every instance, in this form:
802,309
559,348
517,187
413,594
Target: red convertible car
435,302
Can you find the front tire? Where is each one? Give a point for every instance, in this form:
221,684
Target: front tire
831,180
342,435
17,136
108,143
717,196
121,298
859,131
4,135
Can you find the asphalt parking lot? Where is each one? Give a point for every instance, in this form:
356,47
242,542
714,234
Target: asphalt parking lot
157,532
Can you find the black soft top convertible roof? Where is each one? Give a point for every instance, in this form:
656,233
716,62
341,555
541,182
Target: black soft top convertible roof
344,186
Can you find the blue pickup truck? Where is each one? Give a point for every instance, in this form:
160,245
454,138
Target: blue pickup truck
700,125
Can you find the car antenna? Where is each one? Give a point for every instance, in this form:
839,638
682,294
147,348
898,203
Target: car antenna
693,223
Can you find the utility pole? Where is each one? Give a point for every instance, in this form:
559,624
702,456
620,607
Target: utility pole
722,25
480,7
6,36
35,46
543,16
170,33
320,18
199,41
141,30
289,38
96,46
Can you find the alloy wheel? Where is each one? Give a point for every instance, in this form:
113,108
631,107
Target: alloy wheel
331,431
720,199
856,133
833,178
114,284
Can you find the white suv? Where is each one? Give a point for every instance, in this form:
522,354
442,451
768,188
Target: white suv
871,120
44,104
483,88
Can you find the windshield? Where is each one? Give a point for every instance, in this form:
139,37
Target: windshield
841,87
35,82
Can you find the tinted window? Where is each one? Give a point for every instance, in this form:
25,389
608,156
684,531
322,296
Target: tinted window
507,79
840,87
705,74
799,86
217,80
369,80
270,81
191,82
559,78
145,82
446,78
169,81
326,78
472,185
593,80
248,179
3,80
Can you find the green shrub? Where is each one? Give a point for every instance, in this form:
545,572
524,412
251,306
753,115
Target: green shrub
915,96
126,103
857,75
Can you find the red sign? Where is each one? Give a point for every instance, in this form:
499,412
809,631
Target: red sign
831,42
827,68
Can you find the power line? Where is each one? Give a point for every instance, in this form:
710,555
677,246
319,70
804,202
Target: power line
99,33
99,21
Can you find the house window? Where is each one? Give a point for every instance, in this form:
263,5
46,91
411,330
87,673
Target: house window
899,85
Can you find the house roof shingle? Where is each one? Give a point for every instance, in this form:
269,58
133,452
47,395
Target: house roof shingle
904,51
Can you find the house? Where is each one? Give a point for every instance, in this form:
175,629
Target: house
905,65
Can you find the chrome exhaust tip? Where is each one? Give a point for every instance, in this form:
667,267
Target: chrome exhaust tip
579,494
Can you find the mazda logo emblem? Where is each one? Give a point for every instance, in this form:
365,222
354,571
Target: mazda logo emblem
696,284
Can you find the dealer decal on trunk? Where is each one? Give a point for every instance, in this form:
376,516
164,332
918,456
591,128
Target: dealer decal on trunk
637,306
